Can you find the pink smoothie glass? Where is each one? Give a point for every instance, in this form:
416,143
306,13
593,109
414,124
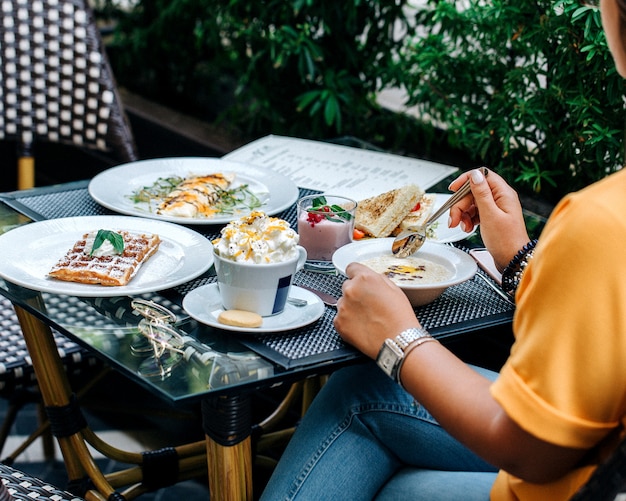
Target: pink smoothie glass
325,223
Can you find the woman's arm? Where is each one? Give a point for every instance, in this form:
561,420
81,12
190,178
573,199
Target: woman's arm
373,309
496,207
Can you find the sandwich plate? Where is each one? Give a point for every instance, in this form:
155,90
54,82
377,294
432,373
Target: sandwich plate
442,233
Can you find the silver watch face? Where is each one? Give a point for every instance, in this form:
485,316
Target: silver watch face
389,358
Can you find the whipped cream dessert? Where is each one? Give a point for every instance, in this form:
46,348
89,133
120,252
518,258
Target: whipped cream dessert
257,238
105,249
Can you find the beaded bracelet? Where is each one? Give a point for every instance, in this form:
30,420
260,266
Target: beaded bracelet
512,274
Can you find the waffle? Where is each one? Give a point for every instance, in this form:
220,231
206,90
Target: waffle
78,266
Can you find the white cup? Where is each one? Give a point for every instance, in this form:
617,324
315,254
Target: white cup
260,288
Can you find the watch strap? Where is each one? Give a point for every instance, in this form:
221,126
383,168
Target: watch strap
408,336
409,349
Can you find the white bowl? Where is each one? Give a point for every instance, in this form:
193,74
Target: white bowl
462,266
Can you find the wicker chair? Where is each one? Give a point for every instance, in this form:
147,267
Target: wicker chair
56,84
18,384
20,485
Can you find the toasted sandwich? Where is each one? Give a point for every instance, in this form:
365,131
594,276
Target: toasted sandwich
418,215
378,216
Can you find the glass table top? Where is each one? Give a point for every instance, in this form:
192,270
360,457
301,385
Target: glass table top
210,360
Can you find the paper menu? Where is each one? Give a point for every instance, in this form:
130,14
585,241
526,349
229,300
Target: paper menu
342,170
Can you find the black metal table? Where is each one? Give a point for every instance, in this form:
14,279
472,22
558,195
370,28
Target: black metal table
108,327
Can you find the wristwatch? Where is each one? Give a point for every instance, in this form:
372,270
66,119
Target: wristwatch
393,351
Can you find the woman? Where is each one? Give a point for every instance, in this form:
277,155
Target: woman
538,429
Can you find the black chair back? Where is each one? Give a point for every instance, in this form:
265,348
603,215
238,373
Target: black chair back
56,83
608,482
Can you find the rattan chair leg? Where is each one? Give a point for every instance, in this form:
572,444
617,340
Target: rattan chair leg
25,173
9,420
46,436
274,439
26,443
78,459
43,430
272,421
311,388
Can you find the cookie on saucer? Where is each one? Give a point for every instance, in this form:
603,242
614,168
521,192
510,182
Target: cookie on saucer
240,318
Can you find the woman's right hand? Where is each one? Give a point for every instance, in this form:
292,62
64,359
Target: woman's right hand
496,207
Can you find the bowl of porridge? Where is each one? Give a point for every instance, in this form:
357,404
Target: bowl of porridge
423,277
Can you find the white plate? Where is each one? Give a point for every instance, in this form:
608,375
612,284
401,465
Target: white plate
113,188
443,234
204,304
30,251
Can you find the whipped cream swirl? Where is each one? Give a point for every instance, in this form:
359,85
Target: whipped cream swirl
257,238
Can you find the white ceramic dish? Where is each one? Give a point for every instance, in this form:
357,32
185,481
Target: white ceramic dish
30,251
113,188
462,266
204,304
443,234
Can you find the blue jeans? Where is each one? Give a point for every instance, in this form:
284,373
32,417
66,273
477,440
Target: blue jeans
366,438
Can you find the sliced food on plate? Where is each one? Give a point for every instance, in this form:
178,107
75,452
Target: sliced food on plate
418,215
105,257
404,209
380,215
197,196
394,211
192,190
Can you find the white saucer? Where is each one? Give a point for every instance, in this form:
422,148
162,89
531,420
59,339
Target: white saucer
204,305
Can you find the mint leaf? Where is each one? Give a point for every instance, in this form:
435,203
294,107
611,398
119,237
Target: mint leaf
112,236
318,202
321,208
341,212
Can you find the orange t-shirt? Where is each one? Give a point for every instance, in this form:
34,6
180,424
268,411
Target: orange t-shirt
565,381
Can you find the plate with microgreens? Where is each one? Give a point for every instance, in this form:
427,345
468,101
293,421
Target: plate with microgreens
192,190
30,252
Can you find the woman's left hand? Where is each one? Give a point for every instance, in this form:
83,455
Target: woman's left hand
371,310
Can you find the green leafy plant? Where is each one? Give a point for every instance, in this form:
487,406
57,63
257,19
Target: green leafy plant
527,88
298,67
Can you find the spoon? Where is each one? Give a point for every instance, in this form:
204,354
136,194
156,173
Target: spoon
299,303
411,240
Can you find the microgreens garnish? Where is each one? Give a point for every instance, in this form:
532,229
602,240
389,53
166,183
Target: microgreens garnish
321,210
112,236
228,201
231,200
157,190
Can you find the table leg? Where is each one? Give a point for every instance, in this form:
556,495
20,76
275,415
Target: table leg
227,423
51,378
